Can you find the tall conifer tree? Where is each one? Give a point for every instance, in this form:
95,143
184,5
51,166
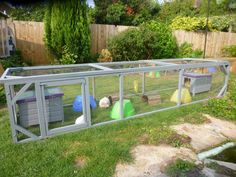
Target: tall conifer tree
67,29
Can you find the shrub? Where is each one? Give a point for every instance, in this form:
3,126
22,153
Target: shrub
150,40
225,107
229,51
186,50
15,60
126,45
161,43
189,23
2,95
215,23
221,23
105,56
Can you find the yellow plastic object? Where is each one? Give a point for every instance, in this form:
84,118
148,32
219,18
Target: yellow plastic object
136,86
185,96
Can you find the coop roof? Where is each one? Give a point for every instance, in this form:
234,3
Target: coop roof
39,73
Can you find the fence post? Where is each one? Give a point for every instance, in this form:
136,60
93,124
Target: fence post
41,116
11,112
94,87
181,72
226,71
121,88
87,102
143,83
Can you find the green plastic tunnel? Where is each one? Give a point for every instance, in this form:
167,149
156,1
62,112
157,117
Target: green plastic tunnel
128,109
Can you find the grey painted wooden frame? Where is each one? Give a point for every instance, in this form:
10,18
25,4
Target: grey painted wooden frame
97,69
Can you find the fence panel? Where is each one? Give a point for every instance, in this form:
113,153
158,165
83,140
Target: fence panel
29,39
215,41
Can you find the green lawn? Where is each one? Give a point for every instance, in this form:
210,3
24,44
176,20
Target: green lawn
101,147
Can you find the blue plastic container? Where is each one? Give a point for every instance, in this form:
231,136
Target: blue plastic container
77,104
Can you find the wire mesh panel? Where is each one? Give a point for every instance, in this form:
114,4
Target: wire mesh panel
25,110
204,83
150,91
51,71
106,94
64,104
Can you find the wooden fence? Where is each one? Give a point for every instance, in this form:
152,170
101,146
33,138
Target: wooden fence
215,41
29,39
101,33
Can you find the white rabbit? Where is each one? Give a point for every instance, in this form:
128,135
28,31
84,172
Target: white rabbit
104,102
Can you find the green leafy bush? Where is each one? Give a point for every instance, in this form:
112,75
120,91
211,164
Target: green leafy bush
15,60
216,23
225,107
150,40
221,23
190,23
127,45
2,95
229,51
186,50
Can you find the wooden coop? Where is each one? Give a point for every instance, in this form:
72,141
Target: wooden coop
4,46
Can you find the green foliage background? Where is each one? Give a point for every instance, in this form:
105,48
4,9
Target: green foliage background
67,30
224,23
29,12
122,12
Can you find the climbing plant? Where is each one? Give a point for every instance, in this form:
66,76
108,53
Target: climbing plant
67,27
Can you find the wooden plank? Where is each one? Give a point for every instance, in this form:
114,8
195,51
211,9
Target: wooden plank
2,36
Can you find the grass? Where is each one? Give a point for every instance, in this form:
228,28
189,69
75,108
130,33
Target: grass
100,148
183,168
